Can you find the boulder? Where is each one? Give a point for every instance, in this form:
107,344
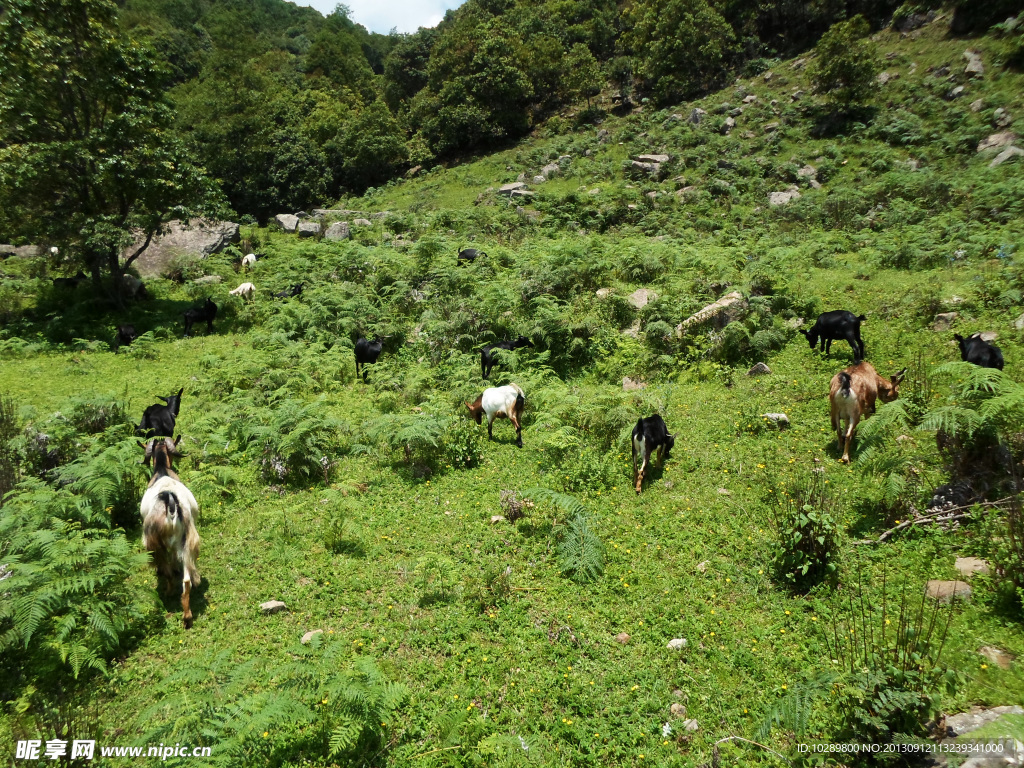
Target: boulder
287,221
602,293
759,369
771,128
997,140
1001,118
362,223
956,93
308,229
784,197
602,135
640,297
697,116
651,169
413,171
1007,154
944,321
24,251
339,230
767,76
974,66
749,99
308,637
197,237
944,591
508,189
796,95
549,170
652,158
977,105
272,606
969,721
777,420
807,172
728,125
721,311
914,21
1019,323
968,566
539,179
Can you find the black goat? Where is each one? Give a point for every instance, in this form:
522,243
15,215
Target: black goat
487,359
292,291
70,282
837,325
468,256
367,352
158,420
126,334
650,435
205,313
975,349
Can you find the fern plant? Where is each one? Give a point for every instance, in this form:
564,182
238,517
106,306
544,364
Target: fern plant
581,551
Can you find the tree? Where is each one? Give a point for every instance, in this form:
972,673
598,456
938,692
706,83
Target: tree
680,46
847,63
583,76
87,159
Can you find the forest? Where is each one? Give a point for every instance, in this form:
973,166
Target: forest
661,197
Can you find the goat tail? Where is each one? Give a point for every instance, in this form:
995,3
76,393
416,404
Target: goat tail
519,392
862,318
844,383
520,402
170,502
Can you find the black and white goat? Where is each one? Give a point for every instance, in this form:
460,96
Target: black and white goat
650,435
169,513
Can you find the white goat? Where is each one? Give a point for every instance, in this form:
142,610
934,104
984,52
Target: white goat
248,260
245,290
168,522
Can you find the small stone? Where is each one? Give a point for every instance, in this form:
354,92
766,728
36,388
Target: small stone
974,65
807,172
784,197
987,335
768,75
677,644
976,106
728,125
759,369
884,77
539,179
796,95
771,128
272,606
968,566
724,492
495,519
697,115
622,638
594,191
997,656
641,297
677,709
306,638
944,591
603,292
1019,323
778,420
956,93
690,725
1001,118
703,566
749,99
361,223
652,158
631,385
944,321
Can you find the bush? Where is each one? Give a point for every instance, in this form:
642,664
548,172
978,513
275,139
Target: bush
846,63
462,444
807,537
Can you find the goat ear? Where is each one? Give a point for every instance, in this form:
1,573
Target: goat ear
899,376
141,444
161,397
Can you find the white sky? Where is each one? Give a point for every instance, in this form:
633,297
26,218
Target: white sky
384,15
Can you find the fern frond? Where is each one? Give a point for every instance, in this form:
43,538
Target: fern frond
570,505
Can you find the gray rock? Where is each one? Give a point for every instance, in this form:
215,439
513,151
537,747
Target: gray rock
771,128
272,606
308,637
759,369
651,169
495,519
956,93
784,197
966,722
564,160
884,77
944,321
808,172
997,656
724,492
677,644
602,135
207,280
944,591
339,230
968,566
974,66
630,385
720,312
1001,118
749,99
287,221
728,125
308,229
508,189
1019,323
799,63
997,140
361,223
605,292
914,21
24,251
697,116
413,171
677,710
197,237
767,76
1007,154
594,191
539,179
622,638
641,296
987,335
976,106
652,158
778,420
522,193
549,170
690,725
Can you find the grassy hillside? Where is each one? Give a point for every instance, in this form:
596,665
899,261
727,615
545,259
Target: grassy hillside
367,508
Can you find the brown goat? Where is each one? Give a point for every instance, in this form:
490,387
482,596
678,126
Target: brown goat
168,522
852,396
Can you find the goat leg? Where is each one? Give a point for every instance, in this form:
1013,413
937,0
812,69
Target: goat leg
186,610
643,467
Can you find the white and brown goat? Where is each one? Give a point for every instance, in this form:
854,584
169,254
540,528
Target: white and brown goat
169,522
852,395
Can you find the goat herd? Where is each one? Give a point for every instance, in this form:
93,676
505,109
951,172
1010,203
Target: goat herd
169,509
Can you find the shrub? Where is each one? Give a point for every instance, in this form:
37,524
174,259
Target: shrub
462,444
846,63
807,537
581,551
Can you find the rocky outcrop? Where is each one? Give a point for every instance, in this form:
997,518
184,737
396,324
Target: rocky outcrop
339,230
197,237
721,311
287,221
